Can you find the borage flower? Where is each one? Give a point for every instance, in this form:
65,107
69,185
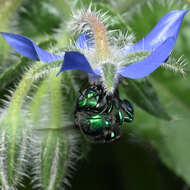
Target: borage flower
99,55
100,112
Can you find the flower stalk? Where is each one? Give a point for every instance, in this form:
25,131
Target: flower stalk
52,147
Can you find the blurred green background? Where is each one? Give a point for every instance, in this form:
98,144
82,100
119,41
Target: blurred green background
152,153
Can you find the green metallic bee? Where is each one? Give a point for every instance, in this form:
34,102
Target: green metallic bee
100,116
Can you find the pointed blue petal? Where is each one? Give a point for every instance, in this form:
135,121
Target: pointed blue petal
83,41
28,48
75,60
167,27
152,62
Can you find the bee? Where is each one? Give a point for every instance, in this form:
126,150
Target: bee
100,116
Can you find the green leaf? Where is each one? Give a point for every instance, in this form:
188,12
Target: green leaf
144,95
7,11
38,18
121,5
78,4
143,16
11,74
64,7
171,139
116,21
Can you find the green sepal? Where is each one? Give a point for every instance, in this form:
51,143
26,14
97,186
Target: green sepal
143,94
47,69
176,65
135,57
109,74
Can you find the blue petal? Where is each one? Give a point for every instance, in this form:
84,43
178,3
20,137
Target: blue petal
75,60
28,48
83,41
152,62
167,27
